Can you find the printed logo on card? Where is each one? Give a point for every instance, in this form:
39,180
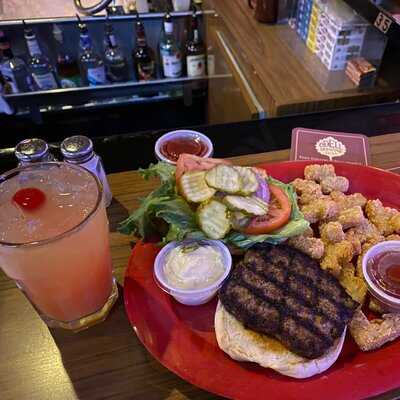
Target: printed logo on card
330,147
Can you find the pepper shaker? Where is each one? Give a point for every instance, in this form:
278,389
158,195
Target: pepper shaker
79,150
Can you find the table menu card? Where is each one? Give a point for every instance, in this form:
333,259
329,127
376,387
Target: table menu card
311,144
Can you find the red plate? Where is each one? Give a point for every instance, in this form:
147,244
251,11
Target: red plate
182,338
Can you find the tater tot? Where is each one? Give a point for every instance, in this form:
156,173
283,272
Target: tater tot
355,286
332,232
380,216
351,217
311,246
348,201
336,255
307,191
395,222
394,236
335,183
320,210
317,173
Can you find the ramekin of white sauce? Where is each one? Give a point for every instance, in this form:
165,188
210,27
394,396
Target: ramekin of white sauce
192,271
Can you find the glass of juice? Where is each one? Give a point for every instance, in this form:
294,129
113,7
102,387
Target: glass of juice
54,242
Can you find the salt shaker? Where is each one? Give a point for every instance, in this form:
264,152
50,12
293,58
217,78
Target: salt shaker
79,150
32,150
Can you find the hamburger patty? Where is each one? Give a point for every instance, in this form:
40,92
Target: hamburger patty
281,292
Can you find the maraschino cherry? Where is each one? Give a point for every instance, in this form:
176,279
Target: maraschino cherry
29,199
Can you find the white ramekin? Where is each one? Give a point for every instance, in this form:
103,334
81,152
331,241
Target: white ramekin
182,134
188,296
386,301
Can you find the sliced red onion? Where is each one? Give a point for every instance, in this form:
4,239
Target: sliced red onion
263,191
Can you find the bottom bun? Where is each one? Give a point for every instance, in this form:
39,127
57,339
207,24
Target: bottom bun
246,345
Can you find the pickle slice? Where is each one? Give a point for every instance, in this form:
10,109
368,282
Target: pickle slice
248,180
193,187
214,219
224,178
247,205
239,220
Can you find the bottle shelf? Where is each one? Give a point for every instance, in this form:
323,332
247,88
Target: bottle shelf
129,92
378,16
110,94
90,93
101,18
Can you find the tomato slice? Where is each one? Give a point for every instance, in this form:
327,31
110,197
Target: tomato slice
190,162
278,215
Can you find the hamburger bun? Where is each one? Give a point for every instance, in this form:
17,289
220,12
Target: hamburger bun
246,345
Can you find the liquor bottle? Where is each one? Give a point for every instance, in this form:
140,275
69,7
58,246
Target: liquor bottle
116,7
91,65
143,56
195,51
5,87
39,65
66,66
13,69
170,52
116,65
136,6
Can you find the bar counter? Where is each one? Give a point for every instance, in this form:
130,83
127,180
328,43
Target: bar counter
133,150
284,76
108,361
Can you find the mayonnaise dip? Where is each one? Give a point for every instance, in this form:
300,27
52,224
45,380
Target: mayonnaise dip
193,267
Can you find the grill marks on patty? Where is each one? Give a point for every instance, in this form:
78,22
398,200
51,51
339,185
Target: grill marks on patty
255,311
281,292
266,289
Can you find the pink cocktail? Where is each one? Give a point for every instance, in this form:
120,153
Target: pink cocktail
54,242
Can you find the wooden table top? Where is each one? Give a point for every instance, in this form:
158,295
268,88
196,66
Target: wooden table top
107,361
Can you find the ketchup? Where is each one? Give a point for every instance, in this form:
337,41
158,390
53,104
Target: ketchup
173,148
384,269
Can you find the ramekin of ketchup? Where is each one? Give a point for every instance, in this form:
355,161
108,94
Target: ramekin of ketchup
170,146
381,269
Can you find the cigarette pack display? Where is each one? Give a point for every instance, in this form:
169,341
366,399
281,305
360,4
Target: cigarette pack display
303,17
335,53
313,28
340,34
335,35
333,65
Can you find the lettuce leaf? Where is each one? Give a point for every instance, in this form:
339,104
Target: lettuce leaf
141,222
163,212
180,217
162,170
296,225
166,214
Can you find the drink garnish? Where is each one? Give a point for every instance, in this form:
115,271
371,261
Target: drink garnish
29,198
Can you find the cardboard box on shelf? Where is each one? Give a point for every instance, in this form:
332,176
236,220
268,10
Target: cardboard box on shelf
361,72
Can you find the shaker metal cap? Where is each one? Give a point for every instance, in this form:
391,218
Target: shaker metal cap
76,147
31,149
